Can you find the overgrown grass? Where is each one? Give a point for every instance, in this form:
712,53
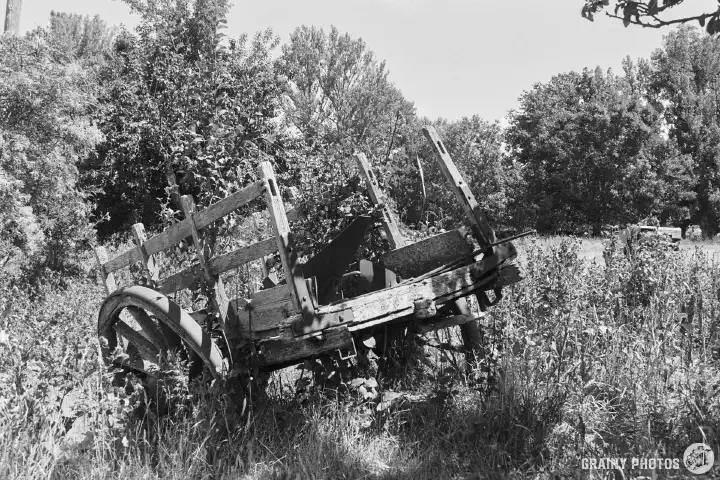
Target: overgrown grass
619,359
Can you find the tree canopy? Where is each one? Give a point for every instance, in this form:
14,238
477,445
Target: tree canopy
101,127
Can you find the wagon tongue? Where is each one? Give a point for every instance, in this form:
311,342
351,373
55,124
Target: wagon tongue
331,262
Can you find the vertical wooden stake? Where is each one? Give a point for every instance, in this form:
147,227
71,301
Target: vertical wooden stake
481,229
108,279
215,287
302,299
149,264
392,231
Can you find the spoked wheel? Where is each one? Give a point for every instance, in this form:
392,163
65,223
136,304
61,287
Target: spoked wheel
140,328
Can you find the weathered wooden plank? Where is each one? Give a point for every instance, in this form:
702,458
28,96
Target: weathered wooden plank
181,230
172,235
125,259
428,254
395,302
152,271
279,294
107,278
285,245
218,265
228,205
180,280
481,229
241,256
377,196
284,351
262,322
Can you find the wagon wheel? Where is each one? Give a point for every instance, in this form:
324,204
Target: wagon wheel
138,328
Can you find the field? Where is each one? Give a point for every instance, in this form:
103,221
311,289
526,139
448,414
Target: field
584,359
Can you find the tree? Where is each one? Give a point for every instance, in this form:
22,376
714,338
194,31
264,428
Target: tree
45,130
476,148
650,13
686,84
588,146
80,37
339,93
180,99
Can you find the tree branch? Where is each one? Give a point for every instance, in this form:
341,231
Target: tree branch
663,23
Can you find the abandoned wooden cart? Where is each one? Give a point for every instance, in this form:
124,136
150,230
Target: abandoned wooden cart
326,304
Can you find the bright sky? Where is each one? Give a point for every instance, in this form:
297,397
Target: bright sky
453,58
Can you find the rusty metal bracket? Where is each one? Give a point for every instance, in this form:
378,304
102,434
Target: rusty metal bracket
351,353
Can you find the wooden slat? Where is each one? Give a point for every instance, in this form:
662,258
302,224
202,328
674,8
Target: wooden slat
279,294
148,261
241,256
282,351
177,232
389,222
218,265
228,205
180,280
213,284
125,259
478,223
285,245
172,235
107,278
428,254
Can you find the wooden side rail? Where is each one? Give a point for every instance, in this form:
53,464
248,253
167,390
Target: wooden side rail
389,222
221,263
181,230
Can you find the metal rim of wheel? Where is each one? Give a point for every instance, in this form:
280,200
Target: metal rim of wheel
153,326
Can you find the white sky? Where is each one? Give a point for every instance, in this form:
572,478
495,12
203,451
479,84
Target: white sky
453,58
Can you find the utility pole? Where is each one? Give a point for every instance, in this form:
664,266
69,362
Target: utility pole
12,17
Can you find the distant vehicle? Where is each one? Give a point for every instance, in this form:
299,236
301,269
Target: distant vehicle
670,235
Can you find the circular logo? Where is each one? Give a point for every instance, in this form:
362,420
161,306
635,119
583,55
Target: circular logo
698,458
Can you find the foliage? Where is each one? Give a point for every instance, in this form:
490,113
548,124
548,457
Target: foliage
684,83
585,372
339,93
178,99
591,152
650,13
79,37
422,193
45,132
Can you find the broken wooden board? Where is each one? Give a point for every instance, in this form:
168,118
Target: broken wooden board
274,352
428,254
